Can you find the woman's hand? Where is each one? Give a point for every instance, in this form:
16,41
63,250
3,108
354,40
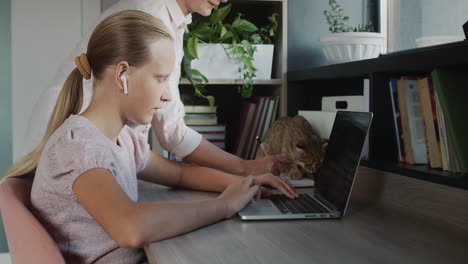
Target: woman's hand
237,195
281,184
274,164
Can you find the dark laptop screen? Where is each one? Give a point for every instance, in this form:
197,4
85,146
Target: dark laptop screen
336,175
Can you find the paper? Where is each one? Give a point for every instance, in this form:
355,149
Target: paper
303,182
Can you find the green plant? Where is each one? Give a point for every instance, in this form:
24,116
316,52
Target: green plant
239,36
339,23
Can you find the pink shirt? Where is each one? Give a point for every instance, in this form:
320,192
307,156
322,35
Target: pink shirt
76,147
168,124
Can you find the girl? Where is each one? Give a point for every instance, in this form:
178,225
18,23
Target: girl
168,124
86,167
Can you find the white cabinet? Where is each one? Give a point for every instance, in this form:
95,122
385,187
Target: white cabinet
42,35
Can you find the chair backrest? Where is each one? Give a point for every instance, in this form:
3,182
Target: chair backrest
28,240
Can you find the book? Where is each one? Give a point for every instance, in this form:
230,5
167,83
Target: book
247,120
267,123
200,119
252,134
397,120
263,126
199,109
275,111
411,118
431,131
240,126
269,116
208,128
442,134
253,149
450,159
450,86
435,116
214,135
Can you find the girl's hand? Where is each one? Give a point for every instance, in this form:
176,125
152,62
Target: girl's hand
278,183
237,195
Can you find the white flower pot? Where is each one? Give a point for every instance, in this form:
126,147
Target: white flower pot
352,46
214,63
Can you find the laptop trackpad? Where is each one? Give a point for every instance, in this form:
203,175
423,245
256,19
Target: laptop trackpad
260,207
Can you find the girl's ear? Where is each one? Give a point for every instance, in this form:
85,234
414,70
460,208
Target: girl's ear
121,68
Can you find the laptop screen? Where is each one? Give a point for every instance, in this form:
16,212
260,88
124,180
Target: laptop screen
336,175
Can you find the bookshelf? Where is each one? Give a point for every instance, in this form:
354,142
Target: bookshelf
307,87
226,91
237,82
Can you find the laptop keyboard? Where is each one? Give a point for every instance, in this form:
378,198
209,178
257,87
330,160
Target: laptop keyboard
302,205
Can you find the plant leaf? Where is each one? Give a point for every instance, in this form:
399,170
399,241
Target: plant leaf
248,63
192,48
197,73
211,100
245,26
220,13
202,31
223,32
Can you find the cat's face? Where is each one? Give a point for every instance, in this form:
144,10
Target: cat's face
308,156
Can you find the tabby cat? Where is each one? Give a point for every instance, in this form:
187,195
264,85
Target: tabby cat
294,138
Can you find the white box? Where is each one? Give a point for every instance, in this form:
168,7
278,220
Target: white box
214,63
321,122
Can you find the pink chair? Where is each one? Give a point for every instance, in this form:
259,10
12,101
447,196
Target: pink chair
28,241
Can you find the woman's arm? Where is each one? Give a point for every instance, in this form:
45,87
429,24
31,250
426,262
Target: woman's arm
173,174
207,154
133,224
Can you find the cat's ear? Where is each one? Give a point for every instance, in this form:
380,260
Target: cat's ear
324,143
264,148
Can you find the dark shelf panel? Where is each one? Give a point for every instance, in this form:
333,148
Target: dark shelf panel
421,172
306,88
415,60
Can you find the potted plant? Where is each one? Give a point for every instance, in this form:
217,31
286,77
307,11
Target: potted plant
228,50
347,43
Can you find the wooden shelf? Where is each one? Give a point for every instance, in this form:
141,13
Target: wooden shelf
236,82
308,86
415,60
421,172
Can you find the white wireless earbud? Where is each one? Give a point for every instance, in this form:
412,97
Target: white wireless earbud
124,80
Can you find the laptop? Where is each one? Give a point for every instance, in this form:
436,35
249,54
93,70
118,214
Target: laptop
333,181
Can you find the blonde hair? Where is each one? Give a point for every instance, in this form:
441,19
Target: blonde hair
123,36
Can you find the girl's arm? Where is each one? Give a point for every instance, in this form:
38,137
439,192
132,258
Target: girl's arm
173,174
133,224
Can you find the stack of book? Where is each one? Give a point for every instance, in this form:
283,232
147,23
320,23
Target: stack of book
256,117
428,115
203,119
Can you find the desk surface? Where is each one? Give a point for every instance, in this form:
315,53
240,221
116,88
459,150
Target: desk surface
365,235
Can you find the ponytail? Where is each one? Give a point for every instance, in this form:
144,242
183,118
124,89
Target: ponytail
123,36
69,102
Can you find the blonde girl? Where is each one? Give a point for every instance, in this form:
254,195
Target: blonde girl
86,167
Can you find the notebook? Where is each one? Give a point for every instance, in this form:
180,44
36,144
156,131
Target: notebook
333,181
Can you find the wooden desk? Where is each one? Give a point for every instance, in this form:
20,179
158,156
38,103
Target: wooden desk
367,234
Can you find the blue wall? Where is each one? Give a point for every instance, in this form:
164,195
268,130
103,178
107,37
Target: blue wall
306,23
5,97
418,18
424,18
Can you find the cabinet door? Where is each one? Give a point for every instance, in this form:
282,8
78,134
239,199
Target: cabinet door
43,34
